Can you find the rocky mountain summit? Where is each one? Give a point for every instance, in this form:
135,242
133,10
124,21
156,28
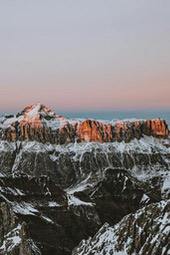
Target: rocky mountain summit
83,187
38,122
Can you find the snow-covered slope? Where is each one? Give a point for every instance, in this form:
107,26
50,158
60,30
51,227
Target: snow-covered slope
147,159
144,232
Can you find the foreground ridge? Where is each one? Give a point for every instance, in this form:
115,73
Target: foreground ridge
144,232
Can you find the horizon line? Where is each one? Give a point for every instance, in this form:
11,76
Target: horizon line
86,110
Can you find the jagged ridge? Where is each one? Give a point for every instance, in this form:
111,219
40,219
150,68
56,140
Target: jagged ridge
38,122
144,232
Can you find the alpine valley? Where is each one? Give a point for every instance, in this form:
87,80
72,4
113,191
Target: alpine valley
83,187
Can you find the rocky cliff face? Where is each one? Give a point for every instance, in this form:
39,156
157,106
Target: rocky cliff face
143,232
37,122
147,158
38,217
36,214
62,180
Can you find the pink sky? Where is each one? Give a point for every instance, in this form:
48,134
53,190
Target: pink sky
73,56
148,94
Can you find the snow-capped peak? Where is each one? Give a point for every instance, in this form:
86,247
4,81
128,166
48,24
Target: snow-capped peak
37,110
36,115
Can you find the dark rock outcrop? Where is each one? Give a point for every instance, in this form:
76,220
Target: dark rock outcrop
116,194
144,232
38,217
71,164
36,214
15,237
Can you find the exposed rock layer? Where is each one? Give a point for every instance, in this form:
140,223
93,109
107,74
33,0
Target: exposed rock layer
39,123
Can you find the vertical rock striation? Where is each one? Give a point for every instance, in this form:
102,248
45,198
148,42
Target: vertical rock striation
38,122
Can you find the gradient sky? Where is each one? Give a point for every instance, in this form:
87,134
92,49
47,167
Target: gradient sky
85,55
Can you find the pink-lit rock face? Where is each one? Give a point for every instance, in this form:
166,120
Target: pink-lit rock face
94,131
38,122
91,130
128,130
31,122
35,115
158,128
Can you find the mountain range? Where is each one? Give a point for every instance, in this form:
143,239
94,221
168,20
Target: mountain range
82,186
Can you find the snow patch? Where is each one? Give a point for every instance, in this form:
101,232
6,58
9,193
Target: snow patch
72,200
53,204
25,209
11,240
